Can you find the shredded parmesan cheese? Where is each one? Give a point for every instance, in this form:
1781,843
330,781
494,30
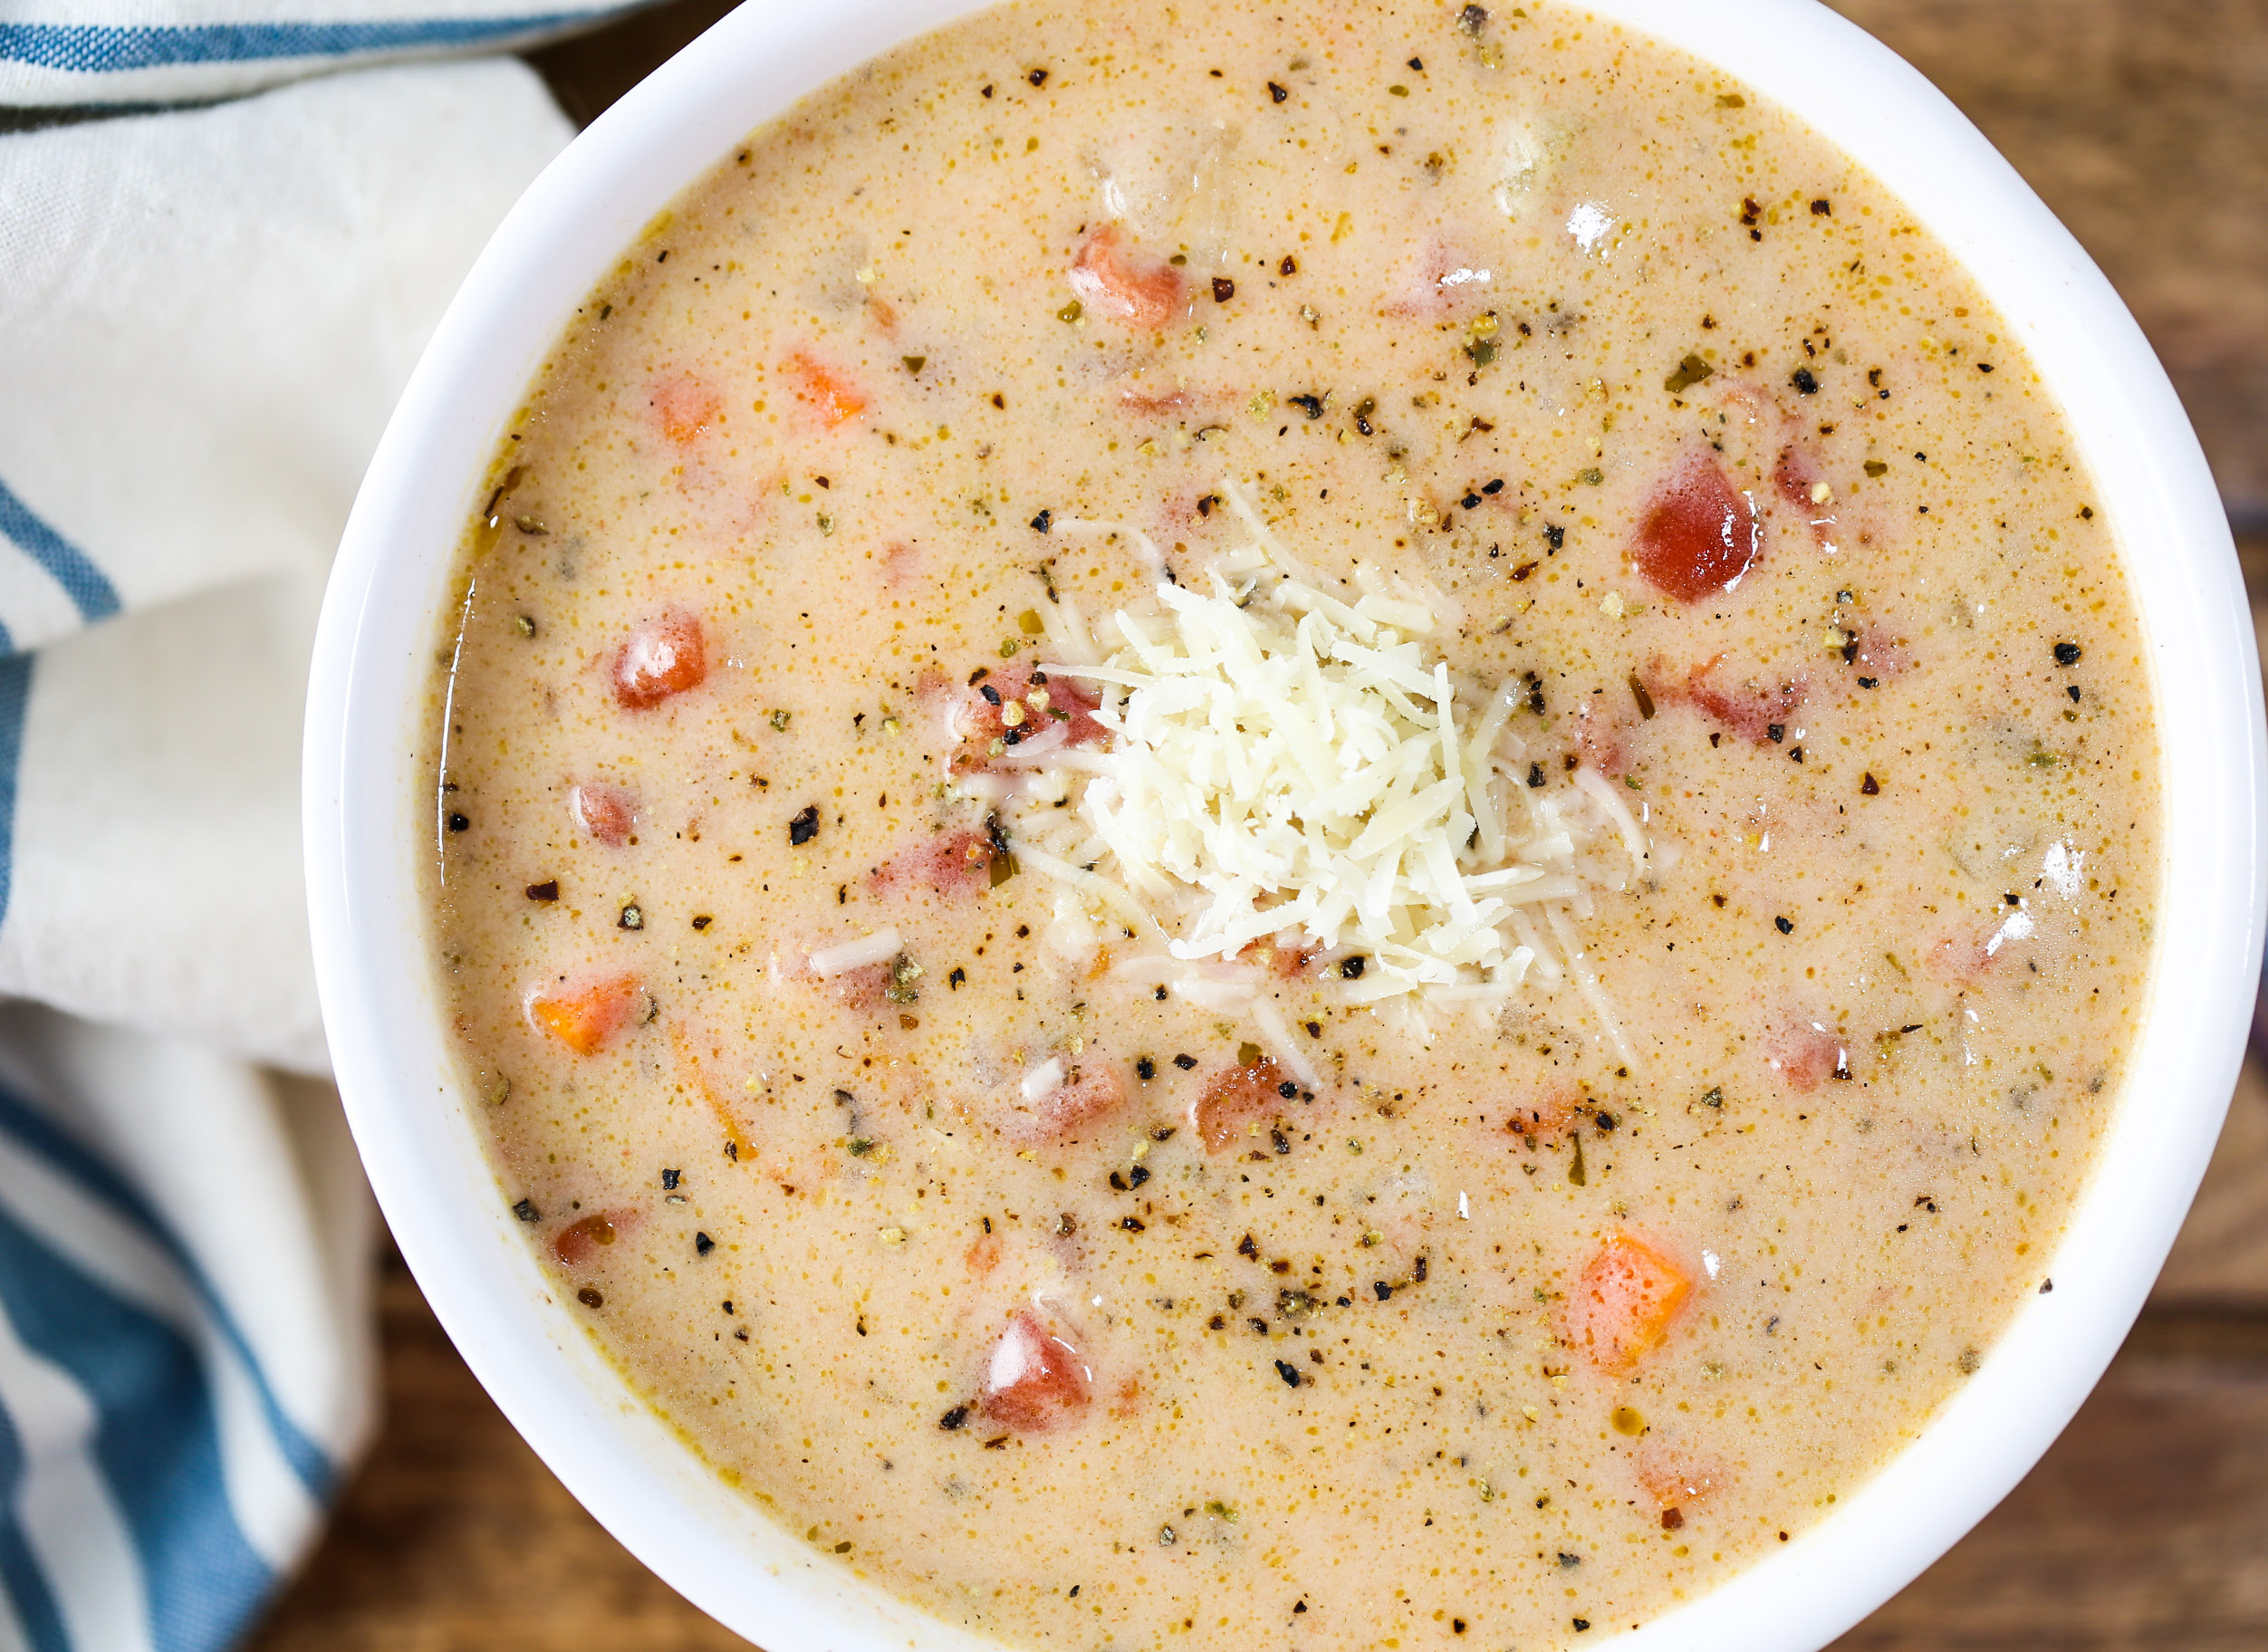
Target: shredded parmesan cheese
1291,767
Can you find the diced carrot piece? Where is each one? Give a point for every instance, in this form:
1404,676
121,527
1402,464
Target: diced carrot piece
827,392
984,1255
1234,1097
1698,535
685,407
664,657
1124,283
605,813
1674,1483
690,1074
582,1016
1544,1116
1621,1307
1035,1380
578,1242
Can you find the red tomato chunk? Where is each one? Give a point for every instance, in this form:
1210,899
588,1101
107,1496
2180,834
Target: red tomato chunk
1123,284
605,813
1698,536
1238,1096
1035,1380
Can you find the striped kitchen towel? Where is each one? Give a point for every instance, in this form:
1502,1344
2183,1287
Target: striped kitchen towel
143,52
206,315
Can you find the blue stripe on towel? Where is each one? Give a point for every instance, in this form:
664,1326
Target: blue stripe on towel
69,565
157,1441
111,48
20,1574
37,1134
15,695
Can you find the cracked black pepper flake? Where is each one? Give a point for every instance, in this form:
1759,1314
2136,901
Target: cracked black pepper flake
1805,382
1784,925
702,920
1038,77
590,1298
1288,1372
1279,93
1290,266
804,826
703,1244
1471,20
1775,732
1823,207
1223,289
1870,786
1350,969
1145,1069
525,1210
669,1179
1555,536
1310,405
1185,1061
633,918
2067,653
546,890
1382,1288
954,1418
459,823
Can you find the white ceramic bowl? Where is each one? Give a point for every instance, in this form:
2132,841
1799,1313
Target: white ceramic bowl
368,820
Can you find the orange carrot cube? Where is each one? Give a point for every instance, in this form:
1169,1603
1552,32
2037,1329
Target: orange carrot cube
1621,1307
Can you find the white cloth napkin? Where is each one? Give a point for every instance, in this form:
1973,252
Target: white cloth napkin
204,318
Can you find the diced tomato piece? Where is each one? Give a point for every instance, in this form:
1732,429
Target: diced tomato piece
1080,1097
1879,654
664,657
1698,535
1121,283
1600,740
1435,281
1237,1096
1035,1380
953,864
977,714
584,1014
828,392
1750,710
1805,1053
685,407
606,813
578,1242
1621,1307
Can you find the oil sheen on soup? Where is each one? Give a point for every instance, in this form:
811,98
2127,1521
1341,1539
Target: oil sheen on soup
1315,825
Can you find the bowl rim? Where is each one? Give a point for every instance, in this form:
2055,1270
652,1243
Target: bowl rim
366,829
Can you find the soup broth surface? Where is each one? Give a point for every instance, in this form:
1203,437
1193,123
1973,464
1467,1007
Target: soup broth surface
1092,1295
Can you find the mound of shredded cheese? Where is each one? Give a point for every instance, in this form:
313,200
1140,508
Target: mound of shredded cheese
1290,768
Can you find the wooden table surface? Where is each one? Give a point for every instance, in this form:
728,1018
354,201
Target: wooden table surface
2145,126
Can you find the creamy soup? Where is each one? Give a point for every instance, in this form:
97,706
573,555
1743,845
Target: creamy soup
1316,825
